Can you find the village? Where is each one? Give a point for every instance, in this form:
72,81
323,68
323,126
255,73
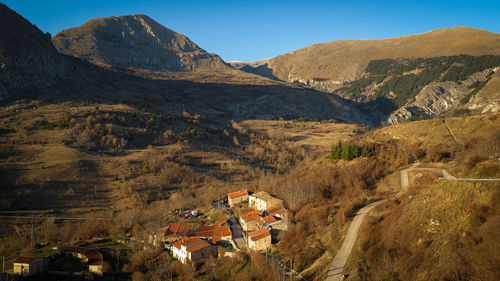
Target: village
252,222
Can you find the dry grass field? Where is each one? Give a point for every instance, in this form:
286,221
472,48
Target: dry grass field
312,136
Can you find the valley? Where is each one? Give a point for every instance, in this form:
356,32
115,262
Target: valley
128,152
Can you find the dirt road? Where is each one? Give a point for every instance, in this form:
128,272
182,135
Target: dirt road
337,266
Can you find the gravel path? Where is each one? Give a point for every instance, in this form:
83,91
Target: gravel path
337,266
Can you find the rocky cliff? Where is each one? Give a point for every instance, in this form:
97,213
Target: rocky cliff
28,60
135,41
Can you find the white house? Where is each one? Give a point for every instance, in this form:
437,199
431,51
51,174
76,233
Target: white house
191,249
262,201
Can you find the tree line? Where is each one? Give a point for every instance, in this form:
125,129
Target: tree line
349,151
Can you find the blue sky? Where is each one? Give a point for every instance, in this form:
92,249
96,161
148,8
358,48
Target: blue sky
252,30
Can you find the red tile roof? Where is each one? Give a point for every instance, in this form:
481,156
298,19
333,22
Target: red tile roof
25,259
259,234
265,220
191,244
177,244
213,230
250,216
177,229
198,246
237,194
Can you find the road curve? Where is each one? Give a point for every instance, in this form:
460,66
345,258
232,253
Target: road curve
337,266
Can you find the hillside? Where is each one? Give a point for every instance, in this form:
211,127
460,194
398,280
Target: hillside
135,41
410,77
133,126
346,60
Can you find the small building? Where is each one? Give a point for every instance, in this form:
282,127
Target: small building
267,221
215,233
192,249
172,232
92,257
237,197
281,216
27,265
262,201
259,240
248,221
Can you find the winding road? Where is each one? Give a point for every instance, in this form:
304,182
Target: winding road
337,266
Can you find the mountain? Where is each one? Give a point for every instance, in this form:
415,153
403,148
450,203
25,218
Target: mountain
346,60
135,41
28,59
410,77
32,68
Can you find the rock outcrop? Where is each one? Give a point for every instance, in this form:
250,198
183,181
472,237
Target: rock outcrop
488,99
28,60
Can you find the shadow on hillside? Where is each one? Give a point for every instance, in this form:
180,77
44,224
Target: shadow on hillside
216,101
262,70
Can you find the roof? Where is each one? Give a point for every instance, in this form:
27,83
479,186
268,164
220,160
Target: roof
213,230
191,244
268,198
177,229
198,246
94,256
262,195
259,234
25,259
250,216
265,220
237,194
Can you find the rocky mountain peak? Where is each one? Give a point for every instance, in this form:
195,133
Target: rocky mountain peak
135,41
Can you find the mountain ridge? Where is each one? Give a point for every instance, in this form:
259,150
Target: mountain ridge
352,56
109,41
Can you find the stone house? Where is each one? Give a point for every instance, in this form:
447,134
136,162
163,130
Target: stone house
171,232
249,221
237,197
262,200
192,250
215,233
259,240
281,216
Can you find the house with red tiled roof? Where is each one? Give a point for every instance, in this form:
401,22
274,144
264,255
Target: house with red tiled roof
27,265
237,197
259,240
215,233
281,216
192,249
267,221
248,221
172,232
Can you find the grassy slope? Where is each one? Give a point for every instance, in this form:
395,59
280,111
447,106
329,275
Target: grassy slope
346,59
442,230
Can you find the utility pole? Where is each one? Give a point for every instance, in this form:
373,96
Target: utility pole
3,266
32,229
